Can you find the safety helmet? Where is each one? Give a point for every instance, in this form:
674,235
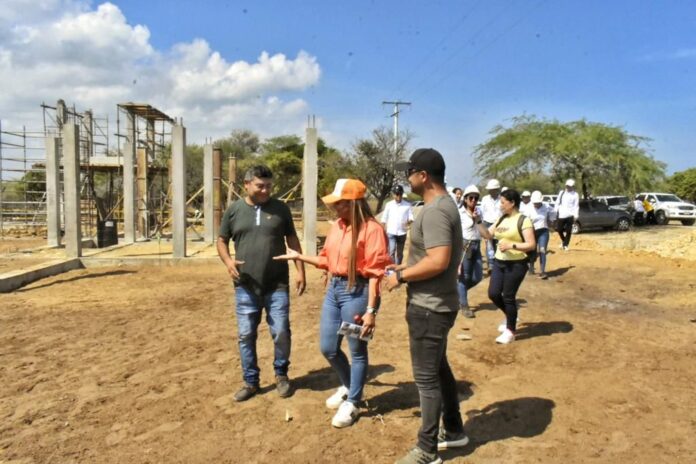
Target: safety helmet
493,184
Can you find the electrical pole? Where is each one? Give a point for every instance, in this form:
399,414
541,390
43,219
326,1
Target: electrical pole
395,115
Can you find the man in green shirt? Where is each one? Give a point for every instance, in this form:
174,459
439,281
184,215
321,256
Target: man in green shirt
260,226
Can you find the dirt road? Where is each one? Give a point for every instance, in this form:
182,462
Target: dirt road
139,365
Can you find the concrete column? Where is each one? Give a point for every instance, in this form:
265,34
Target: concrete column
61,114
129,180
141,187
217,191
88,122
71,185
310,180
208,200
53,190
178,176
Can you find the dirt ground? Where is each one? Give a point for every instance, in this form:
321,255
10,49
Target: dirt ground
139,365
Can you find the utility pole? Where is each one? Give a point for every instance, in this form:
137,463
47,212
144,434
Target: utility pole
395,115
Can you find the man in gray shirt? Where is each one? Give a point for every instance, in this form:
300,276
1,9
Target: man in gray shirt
435,253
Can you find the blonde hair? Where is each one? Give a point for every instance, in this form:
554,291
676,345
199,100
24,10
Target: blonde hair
360,213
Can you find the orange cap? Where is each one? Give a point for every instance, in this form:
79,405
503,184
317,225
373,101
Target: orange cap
346,189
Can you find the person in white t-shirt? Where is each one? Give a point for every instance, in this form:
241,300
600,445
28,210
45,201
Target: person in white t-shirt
526,206
638,212
471,269
396,217
490,212
542,216
567,210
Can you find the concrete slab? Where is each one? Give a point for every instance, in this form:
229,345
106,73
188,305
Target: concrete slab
10,281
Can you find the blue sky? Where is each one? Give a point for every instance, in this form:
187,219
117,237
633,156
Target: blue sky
465,66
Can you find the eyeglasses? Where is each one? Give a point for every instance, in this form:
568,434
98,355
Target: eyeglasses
472,197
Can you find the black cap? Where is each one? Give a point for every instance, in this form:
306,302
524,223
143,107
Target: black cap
398,190
424,159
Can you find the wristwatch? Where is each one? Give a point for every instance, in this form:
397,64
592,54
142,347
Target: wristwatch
371,310
399,278
514,246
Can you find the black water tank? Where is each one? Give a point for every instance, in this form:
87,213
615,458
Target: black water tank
107,233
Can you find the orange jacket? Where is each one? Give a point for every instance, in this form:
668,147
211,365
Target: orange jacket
372,250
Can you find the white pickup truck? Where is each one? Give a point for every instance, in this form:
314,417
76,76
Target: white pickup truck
669,207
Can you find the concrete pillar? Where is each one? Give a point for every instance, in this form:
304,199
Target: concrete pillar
310,180
88,123
217,191
71,186
141,188
178,176
61,114
53,190
231,178
208,200
129,180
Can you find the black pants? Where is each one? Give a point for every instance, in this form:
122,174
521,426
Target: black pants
565,229
506,278
436,385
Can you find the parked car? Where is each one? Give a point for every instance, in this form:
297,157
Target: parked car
616,202
550,200
670,207
595,214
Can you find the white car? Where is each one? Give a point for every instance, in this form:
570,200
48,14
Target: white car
550,200
670,207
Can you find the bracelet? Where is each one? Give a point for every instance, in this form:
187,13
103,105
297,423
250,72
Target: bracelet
399,278
371,310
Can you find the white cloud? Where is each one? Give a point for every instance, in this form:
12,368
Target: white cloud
681,54
93,57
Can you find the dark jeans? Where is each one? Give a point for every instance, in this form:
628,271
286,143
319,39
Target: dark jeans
470,272
396,247
506,278
565,229
437,388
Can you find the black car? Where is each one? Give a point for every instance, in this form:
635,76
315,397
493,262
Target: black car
595,214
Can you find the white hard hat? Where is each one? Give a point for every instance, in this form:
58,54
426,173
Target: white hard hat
570,183
471,189
493,184
526,193
503,189
536,197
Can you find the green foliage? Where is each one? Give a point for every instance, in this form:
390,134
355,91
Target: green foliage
374,161
602,158
683,184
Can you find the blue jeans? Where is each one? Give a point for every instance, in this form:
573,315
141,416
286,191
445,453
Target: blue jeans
341,305
491,246
249,308
470,273
396,247
542,239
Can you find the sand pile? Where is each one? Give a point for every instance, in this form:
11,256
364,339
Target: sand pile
681,247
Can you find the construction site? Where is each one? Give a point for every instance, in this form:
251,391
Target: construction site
119,336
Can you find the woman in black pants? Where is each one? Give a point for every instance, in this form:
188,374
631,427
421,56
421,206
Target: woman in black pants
515,235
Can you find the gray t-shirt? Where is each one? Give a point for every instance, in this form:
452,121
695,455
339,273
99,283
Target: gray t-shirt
259,234
437,224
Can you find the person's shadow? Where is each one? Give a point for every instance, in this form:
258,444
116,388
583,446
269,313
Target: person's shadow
405,395
541,329
325,379
521,417
559,272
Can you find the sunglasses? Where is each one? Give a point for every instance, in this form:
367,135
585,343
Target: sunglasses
472,197
410,171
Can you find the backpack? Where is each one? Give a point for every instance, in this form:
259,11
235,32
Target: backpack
520,221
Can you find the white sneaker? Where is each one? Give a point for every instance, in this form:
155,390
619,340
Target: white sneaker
505,337
502,327
345,415
334,401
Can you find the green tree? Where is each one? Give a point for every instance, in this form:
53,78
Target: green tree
683,184
603,158
374,161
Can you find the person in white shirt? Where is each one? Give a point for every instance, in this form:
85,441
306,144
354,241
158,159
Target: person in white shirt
396,217
541,216
526,207
457,196
471,269
639,212
567,210
490,212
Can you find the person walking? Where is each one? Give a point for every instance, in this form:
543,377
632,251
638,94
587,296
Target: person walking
638,212
515,235
649,211
260,227
435,252
471,269
490,208
567,210
355,254
396,217
526,207
541,215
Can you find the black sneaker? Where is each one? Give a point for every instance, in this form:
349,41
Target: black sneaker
246,392
418,456
467,312
448,440
283,386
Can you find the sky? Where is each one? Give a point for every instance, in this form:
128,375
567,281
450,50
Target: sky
465,67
